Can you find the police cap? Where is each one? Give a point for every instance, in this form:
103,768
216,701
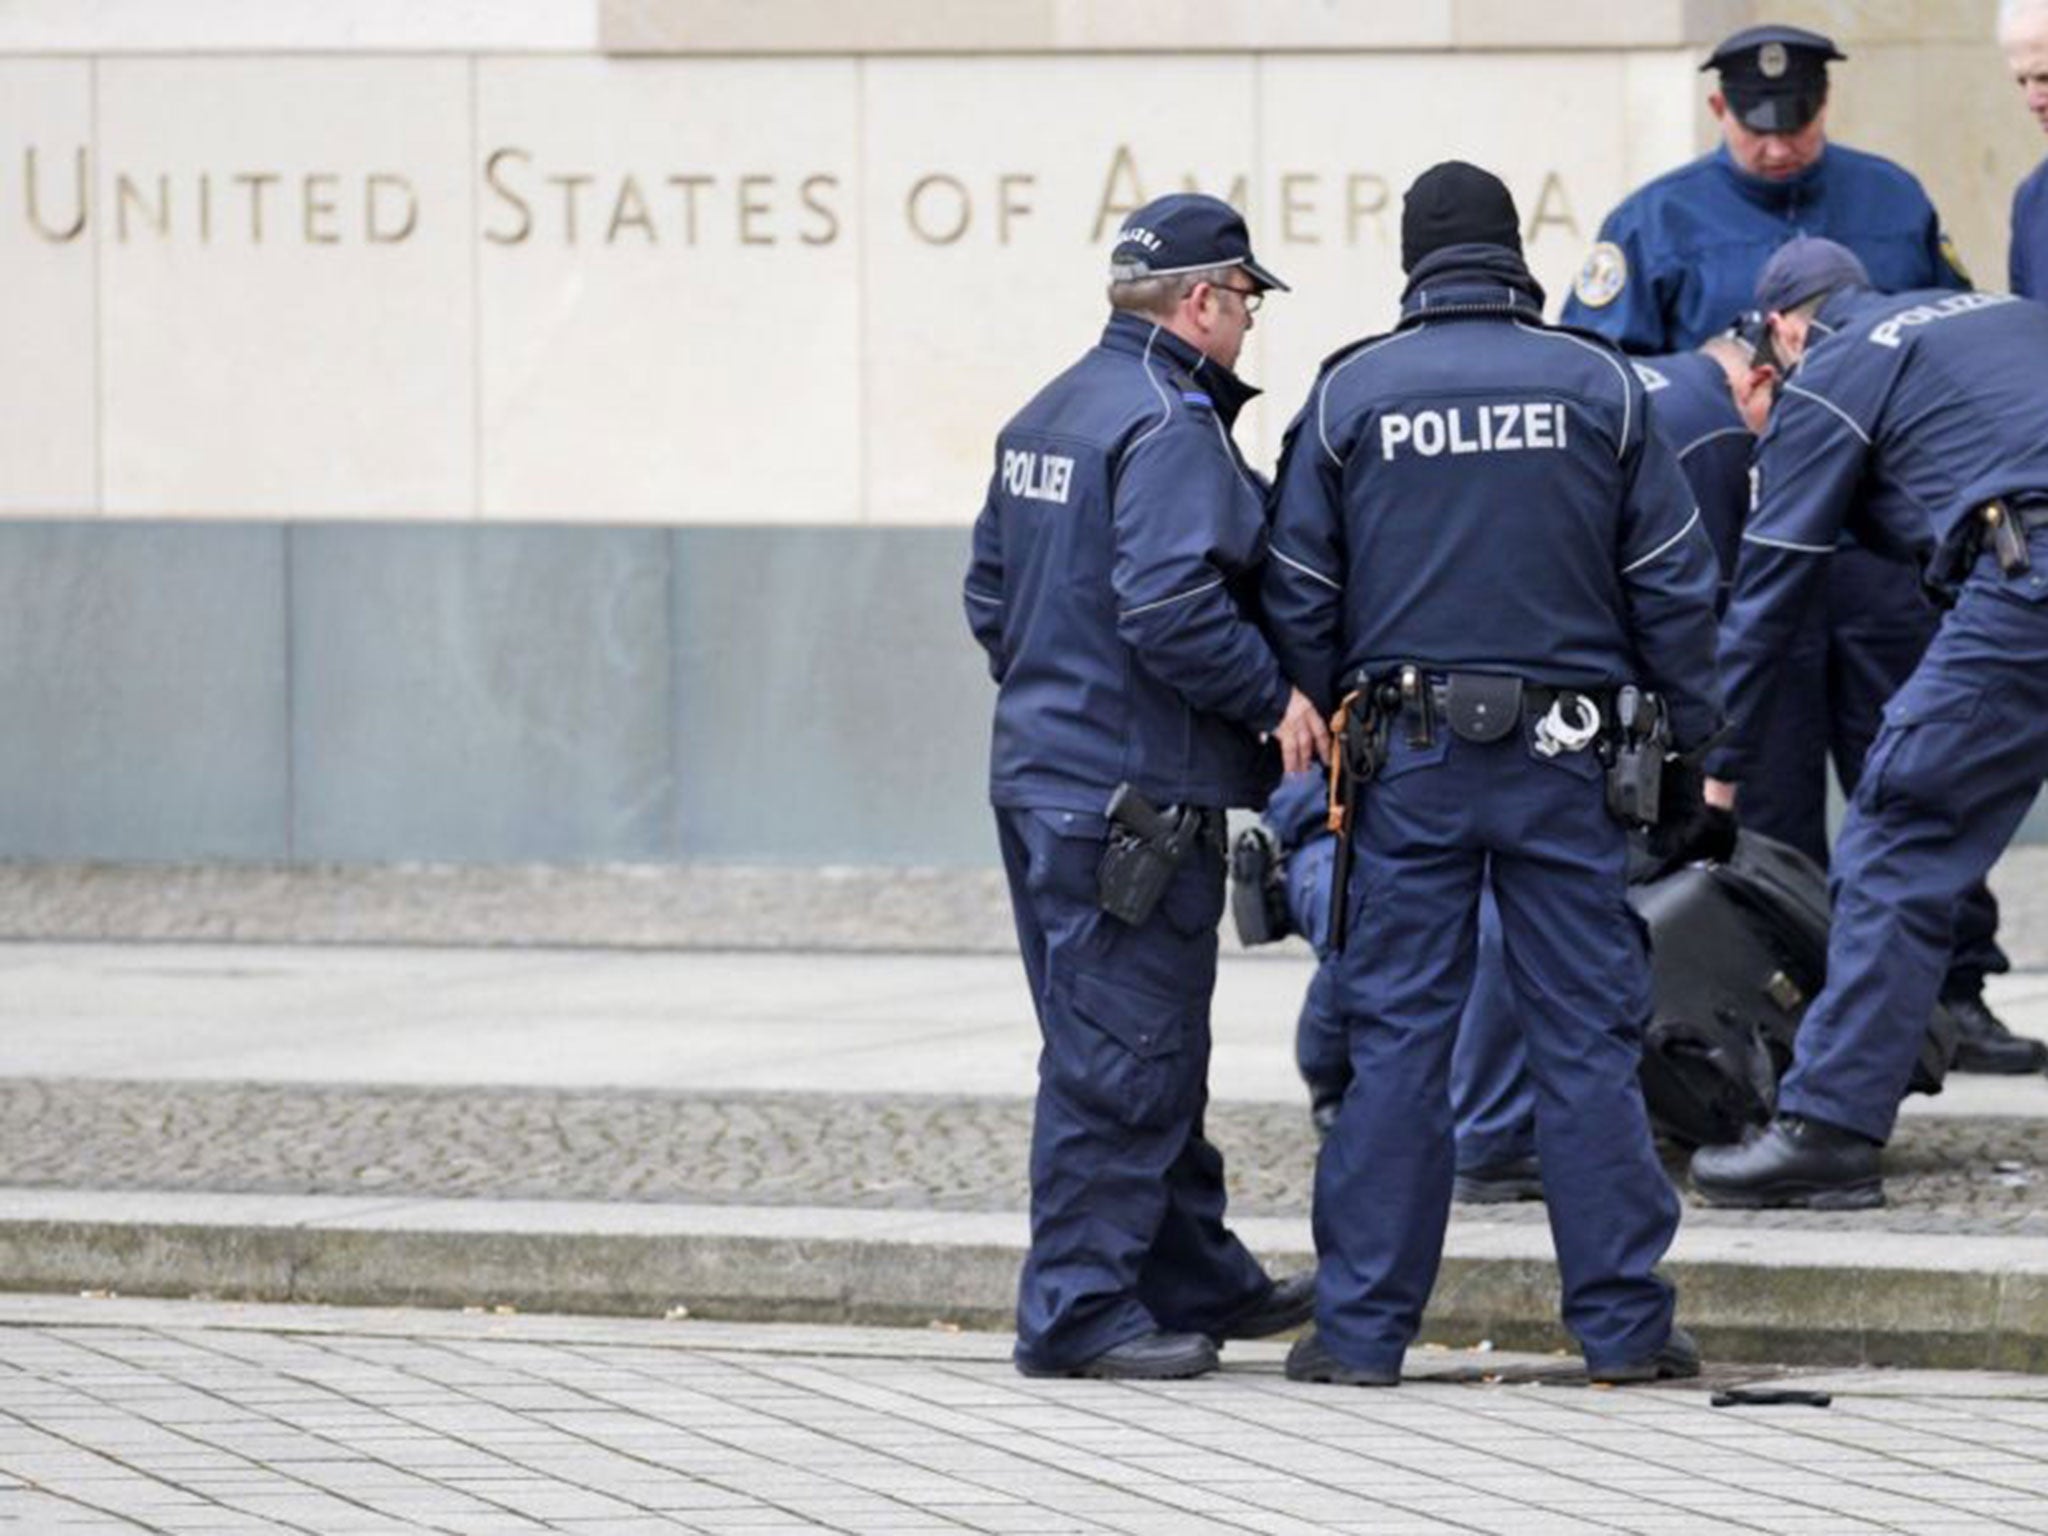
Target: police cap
1775,78
1806,267
1185,232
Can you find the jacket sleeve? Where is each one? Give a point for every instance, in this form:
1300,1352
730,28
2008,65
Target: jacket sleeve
1668,578
1808,467
2015,246
982,595
1633,319
1944,266
1188,525
1303,590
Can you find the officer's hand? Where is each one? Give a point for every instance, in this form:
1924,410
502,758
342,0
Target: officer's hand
1695,828
1303,737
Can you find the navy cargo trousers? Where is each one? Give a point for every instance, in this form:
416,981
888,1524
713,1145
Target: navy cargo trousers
1960,758
1127,1196
1438,823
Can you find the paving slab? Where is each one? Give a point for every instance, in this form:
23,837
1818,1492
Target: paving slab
512,1423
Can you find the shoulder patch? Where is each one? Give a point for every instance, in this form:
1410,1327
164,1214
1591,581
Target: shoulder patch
1602,275
1954,258
1193,393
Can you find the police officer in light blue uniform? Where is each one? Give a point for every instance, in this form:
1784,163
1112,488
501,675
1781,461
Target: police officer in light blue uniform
1676,261
1114,564
1472,512
1925,417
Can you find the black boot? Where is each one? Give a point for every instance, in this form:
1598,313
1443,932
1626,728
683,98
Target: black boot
1499,1183
1678,1359
1289,1303
1309,1361
1149,1357
1792,1161
1984,1044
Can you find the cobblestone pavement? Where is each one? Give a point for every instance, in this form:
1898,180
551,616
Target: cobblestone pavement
1985,1175
176,1417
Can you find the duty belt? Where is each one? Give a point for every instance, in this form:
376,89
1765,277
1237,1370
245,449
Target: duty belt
1487,706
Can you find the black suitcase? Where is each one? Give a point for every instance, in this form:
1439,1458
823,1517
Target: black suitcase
1738,950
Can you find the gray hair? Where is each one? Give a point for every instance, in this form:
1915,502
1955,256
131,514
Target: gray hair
2013,15
1159,295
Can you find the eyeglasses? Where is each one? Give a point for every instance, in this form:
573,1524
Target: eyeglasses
1251,298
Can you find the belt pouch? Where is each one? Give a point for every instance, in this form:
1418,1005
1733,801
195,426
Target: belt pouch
1482,707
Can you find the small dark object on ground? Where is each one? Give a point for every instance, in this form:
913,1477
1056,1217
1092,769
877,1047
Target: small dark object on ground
1761,1397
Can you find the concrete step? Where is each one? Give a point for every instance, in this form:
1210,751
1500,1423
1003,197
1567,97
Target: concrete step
1829,1294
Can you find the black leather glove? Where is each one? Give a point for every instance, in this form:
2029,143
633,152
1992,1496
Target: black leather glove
1690,829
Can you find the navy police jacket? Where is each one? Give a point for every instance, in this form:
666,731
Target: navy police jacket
2027,258
1478,491
1693,409
1907,413
1677,260
1113,574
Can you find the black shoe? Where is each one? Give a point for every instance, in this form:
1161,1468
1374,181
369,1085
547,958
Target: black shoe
1287,1304
1792,1161
1984,1044
1258,888
1309,1361
1149,1357
1678,1359
1499,1183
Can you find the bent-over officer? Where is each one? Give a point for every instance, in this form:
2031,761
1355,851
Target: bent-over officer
1677,260
1479,545
1926,416
1490,1096
1113,562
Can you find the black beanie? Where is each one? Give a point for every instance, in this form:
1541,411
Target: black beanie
1457,204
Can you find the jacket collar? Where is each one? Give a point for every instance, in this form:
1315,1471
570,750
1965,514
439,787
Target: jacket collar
1134,335
1777,196
1471,280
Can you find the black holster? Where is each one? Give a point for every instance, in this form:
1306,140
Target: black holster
1146,846
1638,749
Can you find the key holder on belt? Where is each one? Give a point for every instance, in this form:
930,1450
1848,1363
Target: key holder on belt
2007,536
1358,742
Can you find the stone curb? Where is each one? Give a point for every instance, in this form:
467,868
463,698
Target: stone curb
1794,1298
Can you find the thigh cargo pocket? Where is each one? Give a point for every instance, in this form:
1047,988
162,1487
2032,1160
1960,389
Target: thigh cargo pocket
1914,755
1125,1050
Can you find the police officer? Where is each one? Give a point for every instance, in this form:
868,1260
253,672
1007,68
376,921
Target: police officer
2023,34
1477,535
1113,561
1926,415
1700,403
1491,1099
1677,260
